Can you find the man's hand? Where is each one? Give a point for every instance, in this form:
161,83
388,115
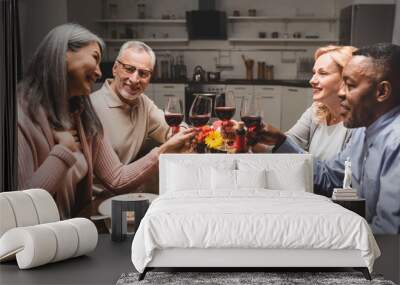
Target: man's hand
266,134
69,139
180,142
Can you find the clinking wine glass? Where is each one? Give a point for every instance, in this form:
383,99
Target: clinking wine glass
225,108
200,111
173,113
251,114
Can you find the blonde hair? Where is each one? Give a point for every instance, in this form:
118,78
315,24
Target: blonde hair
341,55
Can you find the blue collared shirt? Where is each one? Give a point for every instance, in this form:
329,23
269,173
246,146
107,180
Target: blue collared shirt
375,163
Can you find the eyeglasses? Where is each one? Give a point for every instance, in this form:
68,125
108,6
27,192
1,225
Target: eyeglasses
130,69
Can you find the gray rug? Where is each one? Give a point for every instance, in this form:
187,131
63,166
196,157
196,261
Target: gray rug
240,278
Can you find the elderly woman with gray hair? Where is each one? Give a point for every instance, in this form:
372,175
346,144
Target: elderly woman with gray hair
60,138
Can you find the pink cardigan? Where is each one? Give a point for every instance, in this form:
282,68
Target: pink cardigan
44,164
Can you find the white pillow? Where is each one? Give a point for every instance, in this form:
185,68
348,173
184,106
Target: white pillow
292,180
251,178
223,179
281,174
194,176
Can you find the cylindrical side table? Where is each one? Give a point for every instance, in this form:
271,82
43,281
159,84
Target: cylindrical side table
118,217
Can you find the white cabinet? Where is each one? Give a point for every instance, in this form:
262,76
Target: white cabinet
161,92
308,94
295,100
239,91
270,99
149,92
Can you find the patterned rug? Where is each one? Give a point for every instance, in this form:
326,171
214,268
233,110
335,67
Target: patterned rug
243,278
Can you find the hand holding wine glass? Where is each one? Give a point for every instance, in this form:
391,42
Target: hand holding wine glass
225,108
267,135
174,113
251,114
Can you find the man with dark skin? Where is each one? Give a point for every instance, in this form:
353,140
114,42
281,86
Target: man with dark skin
371,107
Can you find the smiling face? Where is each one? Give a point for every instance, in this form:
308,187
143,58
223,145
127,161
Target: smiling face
132,73
359,106
83,69
326,81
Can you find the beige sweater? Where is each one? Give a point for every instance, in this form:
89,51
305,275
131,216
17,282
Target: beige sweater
127,127
44,164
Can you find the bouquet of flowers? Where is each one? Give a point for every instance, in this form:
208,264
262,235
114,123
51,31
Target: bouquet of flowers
207,139
214,138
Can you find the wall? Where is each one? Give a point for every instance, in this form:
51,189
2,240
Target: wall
285,62
37,18
85,14
396,30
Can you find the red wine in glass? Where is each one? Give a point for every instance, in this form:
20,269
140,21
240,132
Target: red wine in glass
173,113
173,120
200,111
225,113
225,106
251,121
199,120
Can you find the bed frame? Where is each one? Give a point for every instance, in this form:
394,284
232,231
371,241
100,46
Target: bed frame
250,258
243,259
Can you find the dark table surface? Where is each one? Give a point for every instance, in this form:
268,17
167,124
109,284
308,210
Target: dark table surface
104,265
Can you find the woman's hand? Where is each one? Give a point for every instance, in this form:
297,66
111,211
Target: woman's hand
267,134
69,139
180,142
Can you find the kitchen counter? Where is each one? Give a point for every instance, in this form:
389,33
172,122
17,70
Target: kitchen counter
282,82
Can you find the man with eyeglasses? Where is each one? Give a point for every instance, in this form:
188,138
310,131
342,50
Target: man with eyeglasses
130,119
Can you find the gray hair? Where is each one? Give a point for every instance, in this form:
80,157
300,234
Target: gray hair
46,81
138,46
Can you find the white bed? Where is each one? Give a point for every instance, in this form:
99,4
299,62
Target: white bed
255,210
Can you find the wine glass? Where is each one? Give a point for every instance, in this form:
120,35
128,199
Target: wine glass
200,111
173,113
251,112
225,106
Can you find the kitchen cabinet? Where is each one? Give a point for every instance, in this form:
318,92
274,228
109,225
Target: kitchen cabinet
295,100
270,99
161,92
239,91
282,106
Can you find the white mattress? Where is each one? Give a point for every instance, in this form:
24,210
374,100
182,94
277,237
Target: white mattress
253,218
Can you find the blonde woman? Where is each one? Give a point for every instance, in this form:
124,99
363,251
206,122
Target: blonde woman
319,130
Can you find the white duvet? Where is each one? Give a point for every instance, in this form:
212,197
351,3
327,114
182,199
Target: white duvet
250,219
